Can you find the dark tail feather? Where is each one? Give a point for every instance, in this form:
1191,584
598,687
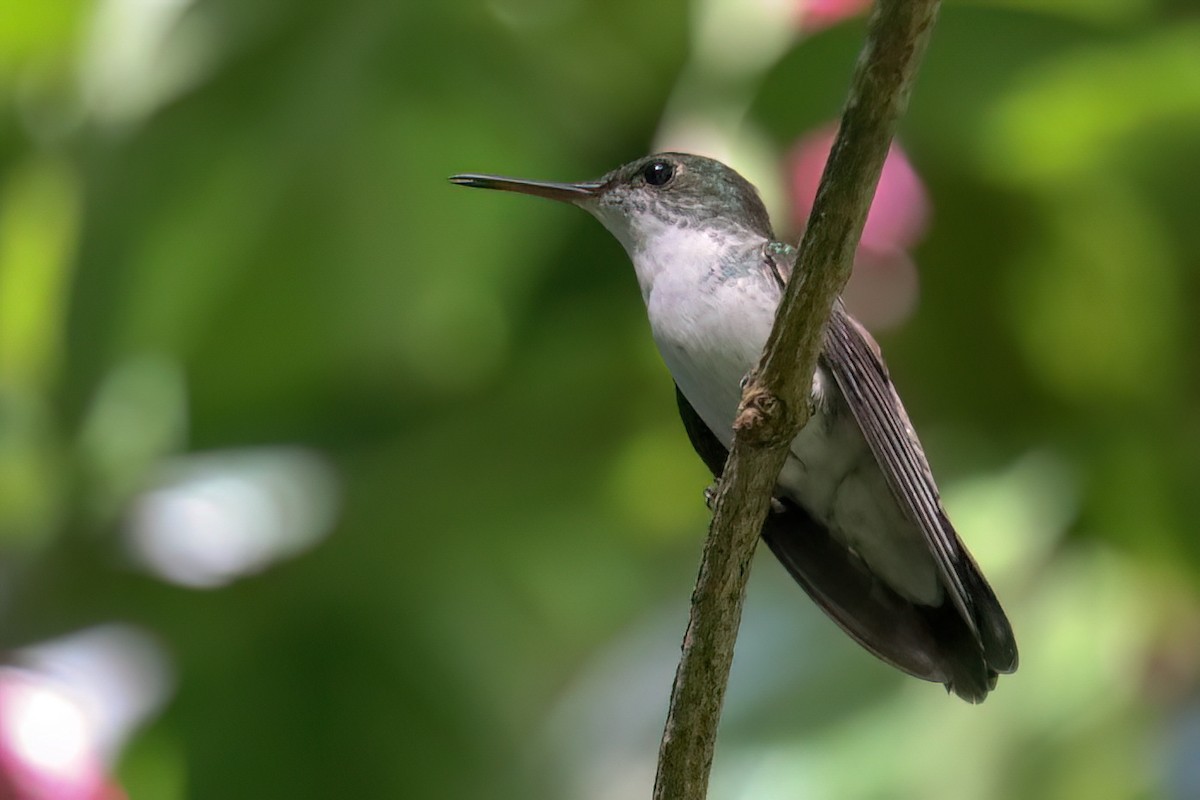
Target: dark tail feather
995,633
929,642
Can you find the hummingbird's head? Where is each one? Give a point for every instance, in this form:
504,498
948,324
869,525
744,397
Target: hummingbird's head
645,199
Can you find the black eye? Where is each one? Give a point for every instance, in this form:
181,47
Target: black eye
657,173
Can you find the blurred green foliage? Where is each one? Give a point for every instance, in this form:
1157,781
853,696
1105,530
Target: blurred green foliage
225,225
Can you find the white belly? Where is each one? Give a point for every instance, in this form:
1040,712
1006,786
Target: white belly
710,335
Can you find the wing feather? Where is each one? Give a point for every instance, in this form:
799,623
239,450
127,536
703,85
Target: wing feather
853,358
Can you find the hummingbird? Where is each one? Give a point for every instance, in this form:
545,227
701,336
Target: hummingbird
856,517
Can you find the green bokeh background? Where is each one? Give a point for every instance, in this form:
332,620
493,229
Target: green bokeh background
225,225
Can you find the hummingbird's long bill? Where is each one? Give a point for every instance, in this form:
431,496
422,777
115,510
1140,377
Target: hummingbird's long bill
563,192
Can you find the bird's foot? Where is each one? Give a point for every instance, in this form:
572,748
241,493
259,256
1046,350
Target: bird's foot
710,500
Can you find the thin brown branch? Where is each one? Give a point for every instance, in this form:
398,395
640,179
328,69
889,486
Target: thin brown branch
775,403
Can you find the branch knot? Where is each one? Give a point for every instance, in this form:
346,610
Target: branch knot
763,419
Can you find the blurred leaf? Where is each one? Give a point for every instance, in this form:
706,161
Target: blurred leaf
32,479
38,223
138,417
33,31
1107,12
1097,303
1089,110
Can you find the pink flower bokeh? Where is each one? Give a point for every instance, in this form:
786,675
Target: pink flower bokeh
884,286
46,750
816,15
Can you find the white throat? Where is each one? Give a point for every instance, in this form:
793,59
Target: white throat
659,248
